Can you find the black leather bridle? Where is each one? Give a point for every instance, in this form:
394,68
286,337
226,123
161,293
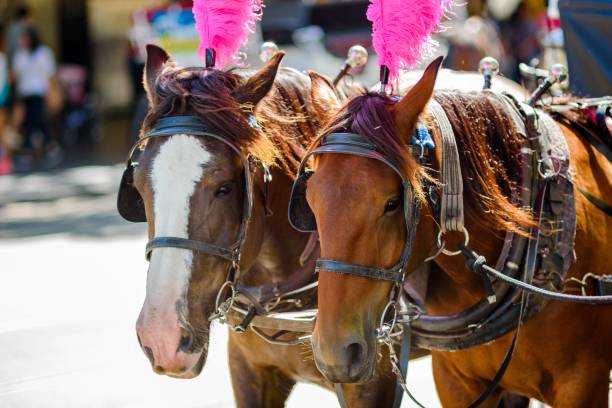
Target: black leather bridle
131,206
302,217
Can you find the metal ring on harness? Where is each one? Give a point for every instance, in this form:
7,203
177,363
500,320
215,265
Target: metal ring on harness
384,329
441,243
218,304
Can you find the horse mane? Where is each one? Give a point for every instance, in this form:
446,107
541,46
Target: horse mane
348,88
489,148
490,153
285,114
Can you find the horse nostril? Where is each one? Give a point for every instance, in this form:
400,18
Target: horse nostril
354,354
149,353
186,341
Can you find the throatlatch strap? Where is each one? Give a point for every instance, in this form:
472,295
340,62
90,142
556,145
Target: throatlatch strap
451,203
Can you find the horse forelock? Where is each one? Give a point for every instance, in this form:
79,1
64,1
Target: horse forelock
369,115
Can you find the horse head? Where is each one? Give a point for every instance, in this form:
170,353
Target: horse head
194,186
358,204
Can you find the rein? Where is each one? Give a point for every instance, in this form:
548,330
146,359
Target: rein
255,307
477,263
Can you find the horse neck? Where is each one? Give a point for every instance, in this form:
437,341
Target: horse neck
282,246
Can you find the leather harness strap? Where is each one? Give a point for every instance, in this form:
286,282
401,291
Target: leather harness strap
393,274
403,361
598,144
278,321
340,395
586,133
197,246
451,203
261,297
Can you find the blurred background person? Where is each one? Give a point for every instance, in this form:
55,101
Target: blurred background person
522,24
34,67
6,164
20,22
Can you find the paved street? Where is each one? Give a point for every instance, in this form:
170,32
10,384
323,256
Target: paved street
72,280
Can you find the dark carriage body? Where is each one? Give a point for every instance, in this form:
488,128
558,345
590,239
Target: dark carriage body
587,29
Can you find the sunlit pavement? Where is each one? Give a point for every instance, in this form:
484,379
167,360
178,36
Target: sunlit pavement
72,280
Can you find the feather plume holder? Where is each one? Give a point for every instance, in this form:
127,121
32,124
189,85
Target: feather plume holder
384,78
210,58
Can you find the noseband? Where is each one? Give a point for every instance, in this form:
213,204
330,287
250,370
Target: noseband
302,217
131,206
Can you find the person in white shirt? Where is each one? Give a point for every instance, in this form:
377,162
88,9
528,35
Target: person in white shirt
33,67
21,21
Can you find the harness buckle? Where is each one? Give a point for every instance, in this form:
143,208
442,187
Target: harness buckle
236,259
267,174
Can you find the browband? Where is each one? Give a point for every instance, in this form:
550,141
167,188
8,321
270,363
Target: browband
194,126
356,145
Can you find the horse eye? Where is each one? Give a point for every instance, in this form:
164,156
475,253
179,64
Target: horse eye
392,205
223,190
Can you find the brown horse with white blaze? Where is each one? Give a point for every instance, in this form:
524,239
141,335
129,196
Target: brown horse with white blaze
563,356
192,188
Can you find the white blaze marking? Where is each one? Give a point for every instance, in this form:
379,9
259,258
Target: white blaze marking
176,170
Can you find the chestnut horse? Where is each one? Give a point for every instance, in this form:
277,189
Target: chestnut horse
193,188
563,356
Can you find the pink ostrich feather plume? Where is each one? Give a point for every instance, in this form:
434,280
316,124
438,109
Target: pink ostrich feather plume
225,25
401,30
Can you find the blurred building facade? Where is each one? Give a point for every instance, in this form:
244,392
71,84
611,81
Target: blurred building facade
94,33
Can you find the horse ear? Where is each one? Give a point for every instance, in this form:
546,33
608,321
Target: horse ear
324,94
156,60
258,86
408,109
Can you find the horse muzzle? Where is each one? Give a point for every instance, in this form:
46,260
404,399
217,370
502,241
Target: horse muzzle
351,360
169,346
